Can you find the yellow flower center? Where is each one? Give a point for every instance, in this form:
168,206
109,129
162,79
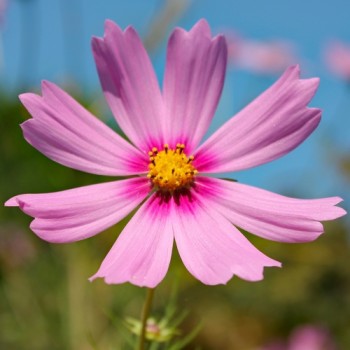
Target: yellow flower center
171,169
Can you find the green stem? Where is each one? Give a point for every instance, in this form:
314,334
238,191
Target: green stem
144,316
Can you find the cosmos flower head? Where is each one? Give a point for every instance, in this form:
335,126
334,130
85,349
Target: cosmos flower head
170,172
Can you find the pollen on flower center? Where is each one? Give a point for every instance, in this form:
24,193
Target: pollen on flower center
171,169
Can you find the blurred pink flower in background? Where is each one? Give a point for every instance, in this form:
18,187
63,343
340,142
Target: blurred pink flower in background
166,165
306,337
337,56
261,57
3,8
16,248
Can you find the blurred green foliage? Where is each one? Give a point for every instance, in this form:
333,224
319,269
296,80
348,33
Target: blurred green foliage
46,301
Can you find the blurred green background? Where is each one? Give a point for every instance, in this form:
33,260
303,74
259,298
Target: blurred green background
46,301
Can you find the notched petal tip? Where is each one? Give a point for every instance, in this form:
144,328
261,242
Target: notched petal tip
220,37
253,277
109,280
220,40
337,212
294,72
337,200
274,263
95,39
12,202
202,22
47,86
258,278
202,26
315,116
130,30
96,45
22,96
315,81
92,278
97,276
112,28
291,73
295,68
27,97
110,25
17,201
24,125
308,87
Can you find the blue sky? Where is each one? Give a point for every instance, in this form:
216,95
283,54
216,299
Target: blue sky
50,39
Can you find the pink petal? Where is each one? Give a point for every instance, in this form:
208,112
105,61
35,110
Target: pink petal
270,215
142,252
211,248
194,77
79,213
130,85
271,126
70,135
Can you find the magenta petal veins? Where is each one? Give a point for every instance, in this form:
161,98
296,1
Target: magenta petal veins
130,85
269,127
267,214
193,81
79,213
67,133
215,250
141,255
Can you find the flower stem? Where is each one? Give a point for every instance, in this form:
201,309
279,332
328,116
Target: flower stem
144,316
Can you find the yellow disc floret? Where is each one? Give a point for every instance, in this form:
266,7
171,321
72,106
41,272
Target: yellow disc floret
171,169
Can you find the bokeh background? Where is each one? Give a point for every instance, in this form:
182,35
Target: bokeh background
46,301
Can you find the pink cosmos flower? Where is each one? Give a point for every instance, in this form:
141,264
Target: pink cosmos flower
310,337
337,57
307,337
3,8
168,170
260,57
